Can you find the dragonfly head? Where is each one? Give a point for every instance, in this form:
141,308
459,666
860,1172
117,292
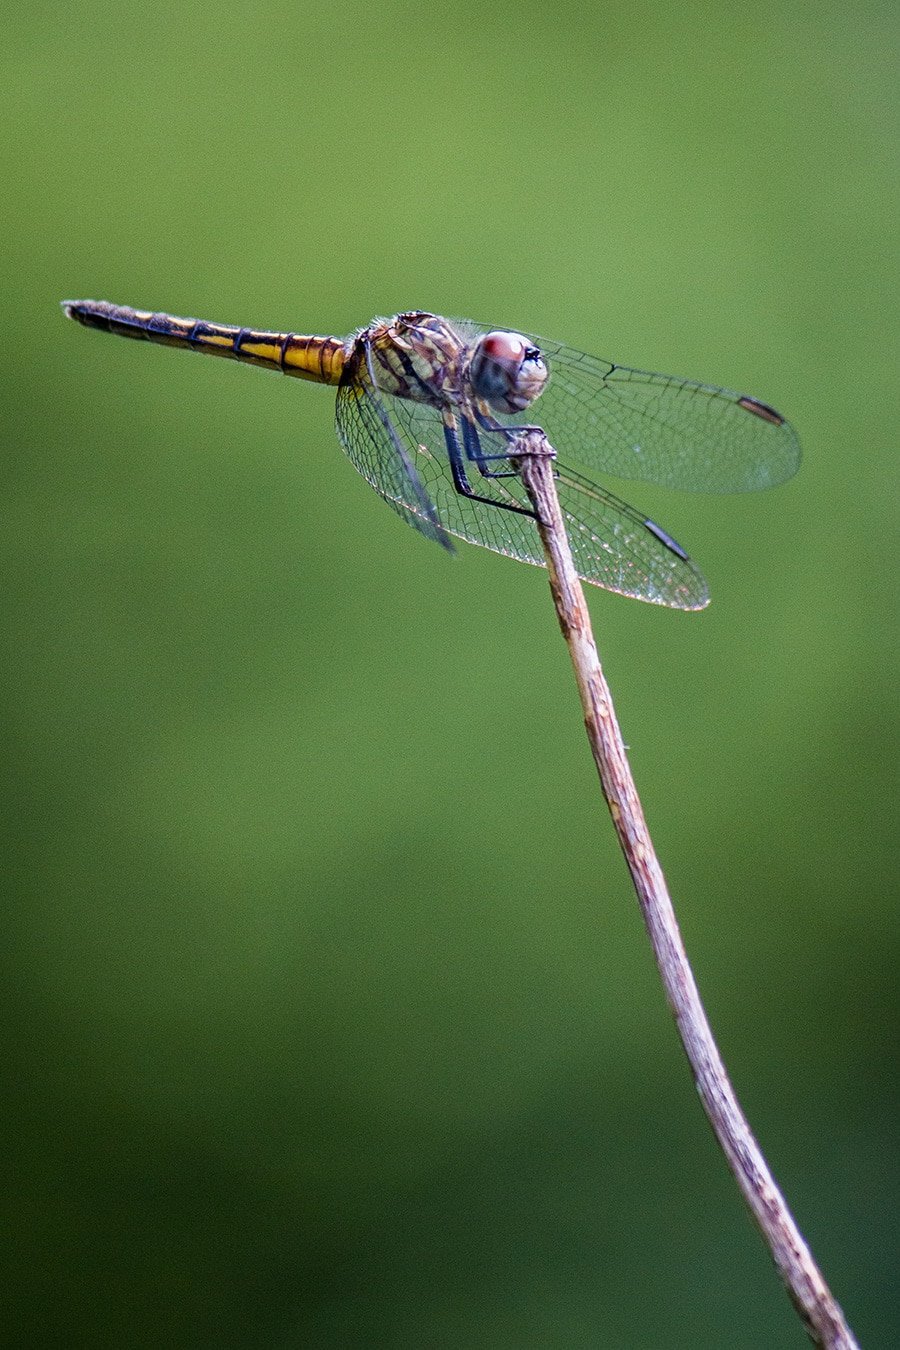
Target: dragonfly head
507,371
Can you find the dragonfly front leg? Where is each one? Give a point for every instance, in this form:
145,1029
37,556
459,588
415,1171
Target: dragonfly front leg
472,442
458,469
475,452
512,434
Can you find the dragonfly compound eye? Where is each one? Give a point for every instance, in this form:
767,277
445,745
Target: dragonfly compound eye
507,371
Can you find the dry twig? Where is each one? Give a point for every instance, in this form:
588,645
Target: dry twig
809,1293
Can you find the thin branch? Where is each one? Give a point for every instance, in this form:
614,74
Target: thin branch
809,1293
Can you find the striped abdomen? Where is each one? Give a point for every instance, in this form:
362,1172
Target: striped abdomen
311,358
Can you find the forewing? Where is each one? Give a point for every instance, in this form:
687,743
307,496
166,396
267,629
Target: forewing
658,428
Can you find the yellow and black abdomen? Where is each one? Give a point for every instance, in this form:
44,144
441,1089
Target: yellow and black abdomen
310,358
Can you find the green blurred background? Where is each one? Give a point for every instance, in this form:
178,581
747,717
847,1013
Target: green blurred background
330,1018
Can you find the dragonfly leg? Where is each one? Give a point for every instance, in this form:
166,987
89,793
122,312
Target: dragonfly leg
475,453
511,433
457,468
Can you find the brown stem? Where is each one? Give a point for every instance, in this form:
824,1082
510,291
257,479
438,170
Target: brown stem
809,1293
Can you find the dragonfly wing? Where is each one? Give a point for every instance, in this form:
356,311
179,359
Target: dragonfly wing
614,546
378,451
658,428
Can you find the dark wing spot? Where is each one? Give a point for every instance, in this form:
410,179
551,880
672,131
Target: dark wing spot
762,410
666,539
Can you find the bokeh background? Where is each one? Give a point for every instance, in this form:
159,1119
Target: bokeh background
330,1020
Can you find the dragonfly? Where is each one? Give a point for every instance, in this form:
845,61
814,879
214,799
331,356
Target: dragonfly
431,412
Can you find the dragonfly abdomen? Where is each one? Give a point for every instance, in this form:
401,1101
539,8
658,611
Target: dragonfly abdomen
310,358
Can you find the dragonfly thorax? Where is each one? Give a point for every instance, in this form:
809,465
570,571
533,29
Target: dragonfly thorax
507,371
417,356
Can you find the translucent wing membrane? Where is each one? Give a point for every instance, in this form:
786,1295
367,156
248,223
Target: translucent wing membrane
613,545
657,428
376,449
